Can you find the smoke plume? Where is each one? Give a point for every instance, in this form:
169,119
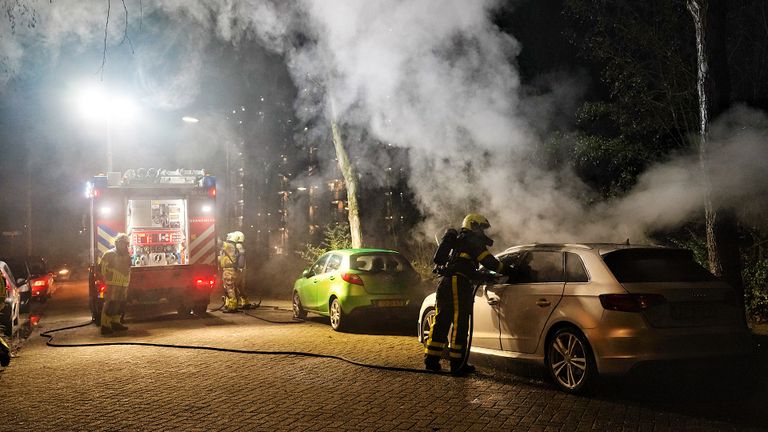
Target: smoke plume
438,78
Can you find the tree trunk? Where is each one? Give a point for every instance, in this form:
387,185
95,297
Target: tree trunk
709,18
350,179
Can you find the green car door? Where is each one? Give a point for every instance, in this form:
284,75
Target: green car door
329,280
307,285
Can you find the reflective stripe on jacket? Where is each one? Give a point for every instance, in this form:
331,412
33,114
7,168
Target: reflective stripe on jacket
115,268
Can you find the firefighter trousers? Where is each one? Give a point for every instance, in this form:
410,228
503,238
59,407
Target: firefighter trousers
454,305
115,298
231,284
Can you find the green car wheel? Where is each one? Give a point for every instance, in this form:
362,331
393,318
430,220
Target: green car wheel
338,319
298,311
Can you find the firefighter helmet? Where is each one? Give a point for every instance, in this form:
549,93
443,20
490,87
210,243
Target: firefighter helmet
475,221
235,237
122,238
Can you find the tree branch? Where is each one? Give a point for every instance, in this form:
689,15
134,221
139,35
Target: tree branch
106,30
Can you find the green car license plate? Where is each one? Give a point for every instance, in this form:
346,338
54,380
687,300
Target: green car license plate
389,303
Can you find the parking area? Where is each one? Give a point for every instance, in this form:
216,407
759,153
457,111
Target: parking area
154,388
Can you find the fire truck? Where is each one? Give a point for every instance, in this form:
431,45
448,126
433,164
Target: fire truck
169,216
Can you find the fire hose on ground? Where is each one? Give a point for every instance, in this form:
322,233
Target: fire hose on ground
49,335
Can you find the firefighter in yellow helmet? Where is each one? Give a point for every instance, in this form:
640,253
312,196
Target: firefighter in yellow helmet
115,268
468,249
232,263
5,350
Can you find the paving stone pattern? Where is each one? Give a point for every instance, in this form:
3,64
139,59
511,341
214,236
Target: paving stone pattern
159,389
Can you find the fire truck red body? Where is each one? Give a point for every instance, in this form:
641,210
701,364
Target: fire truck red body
169,217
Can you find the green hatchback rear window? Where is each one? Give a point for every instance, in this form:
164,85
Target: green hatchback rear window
379,262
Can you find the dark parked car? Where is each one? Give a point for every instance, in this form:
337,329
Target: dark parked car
34,270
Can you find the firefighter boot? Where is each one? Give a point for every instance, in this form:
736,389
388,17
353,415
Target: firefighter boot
244,303
432,363
116,326
459,368
230,305
106,330
5,353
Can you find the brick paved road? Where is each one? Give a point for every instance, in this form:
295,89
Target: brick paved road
144,388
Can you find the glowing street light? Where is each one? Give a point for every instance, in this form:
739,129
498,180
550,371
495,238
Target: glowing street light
97,104
188,119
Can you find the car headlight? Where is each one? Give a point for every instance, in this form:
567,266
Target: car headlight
64,272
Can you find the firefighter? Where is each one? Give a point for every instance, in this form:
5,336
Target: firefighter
115,268
455,294
238,238
5,350
232,263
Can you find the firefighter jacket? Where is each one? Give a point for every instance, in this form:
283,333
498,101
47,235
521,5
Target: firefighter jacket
470,252
229,259
115,268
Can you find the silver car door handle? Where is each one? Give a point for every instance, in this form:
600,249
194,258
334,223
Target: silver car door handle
492,298
543,302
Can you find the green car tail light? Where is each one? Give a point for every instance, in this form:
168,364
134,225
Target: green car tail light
352,278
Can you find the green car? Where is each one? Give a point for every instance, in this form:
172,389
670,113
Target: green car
346,283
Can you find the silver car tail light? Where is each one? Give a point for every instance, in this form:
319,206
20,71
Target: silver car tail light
631,302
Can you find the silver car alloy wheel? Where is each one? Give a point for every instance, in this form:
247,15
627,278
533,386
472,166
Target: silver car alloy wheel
335,313
568,360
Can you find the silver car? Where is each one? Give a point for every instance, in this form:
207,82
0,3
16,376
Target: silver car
584,310
9,317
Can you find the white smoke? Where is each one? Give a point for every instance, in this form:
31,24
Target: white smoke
436,77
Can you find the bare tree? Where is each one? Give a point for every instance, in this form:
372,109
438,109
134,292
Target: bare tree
350,179
713,85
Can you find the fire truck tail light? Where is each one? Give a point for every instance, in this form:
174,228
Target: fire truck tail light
212,192
205,282
39,283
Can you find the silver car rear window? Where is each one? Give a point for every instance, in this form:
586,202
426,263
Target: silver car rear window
655,265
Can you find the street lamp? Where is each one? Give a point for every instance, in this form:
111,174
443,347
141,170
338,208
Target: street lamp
99,105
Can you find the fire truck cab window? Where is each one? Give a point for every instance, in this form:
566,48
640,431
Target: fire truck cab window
334,262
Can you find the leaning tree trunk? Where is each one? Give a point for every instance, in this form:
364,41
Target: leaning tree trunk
709,19
350,179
